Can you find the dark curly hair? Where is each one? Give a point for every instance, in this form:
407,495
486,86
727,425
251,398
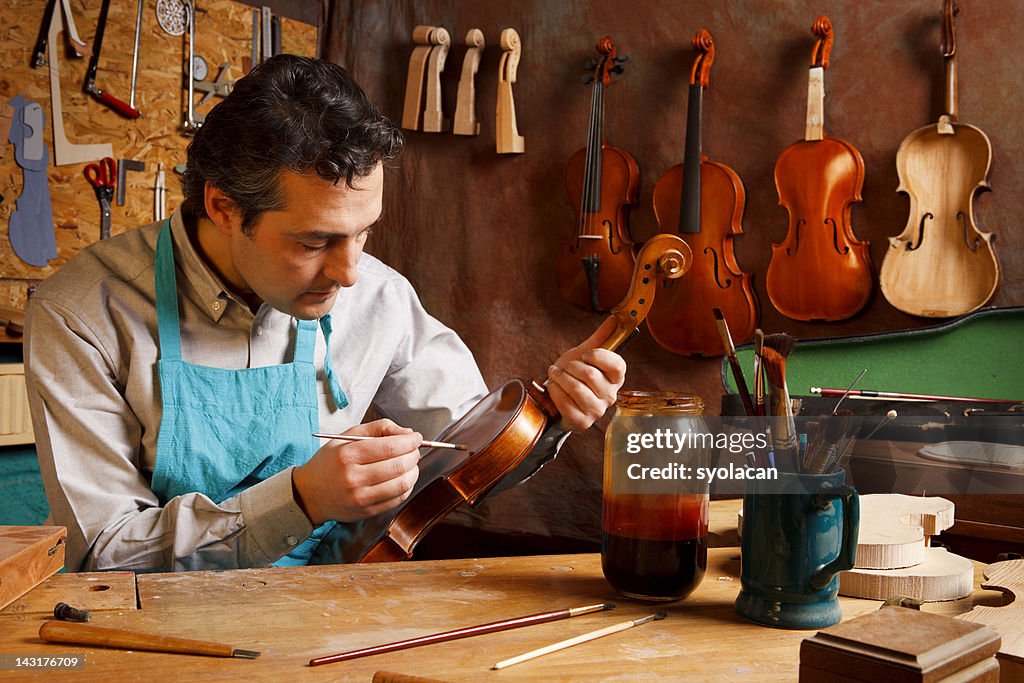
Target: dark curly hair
289,113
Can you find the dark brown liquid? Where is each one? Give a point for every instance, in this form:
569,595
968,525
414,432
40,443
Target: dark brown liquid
658,569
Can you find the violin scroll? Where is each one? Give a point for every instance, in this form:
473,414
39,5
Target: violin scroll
704,46
822,28
662,256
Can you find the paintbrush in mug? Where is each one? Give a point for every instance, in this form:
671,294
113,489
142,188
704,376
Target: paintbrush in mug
423,444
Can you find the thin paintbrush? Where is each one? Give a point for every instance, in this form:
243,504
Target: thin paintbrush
758,372
424,444
734,363
467,632
784,437
585,638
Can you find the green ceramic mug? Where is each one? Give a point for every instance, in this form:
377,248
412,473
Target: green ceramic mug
799,532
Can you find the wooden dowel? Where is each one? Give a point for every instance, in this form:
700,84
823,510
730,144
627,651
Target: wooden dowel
87,634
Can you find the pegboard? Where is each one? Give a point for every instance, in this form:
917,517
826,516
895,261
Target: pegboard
223,34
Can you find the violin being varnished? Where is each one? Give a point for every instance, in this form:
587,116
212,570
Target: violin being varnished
504,427
703,202
596,264
942,265
821,271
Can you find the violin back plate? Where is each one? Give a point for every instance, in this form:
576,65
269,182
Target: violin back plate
941,265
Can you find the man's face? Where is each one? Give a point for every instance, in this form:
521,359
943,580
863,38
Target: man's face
298,258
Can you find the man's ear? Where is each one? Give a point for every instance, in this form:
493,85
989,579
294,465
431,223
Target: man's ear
221,209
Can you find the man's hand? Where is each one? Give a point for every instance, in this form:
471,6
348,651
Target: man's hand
585,380
347,481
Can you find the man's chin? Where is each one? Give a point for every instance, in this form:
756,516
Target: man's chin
312,307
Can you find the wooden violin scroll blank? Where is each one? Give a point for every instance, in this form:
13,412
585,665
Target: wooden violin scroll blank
421,37
507,137
702,201
465,106
821,271
942,265
595,265
433,118
503,428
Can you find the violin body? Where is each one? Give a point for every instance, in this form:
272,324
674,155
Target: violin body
681,320
595,266
503,428
821,271
941,265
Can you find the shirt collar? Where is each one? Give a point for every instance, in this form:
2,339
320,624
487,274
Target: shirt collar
209,288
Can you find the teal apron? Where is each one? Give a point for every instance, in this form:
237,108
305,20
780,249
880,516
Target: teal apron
224,430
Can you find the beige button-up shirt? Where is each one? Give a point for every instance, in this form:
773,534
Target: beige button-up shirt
91,357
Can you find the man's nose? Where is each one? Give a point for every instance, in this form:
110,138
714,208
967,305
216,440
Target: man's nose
341,263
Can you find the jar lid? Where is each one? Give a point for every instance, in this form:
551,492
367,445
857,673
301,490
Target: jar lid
660,401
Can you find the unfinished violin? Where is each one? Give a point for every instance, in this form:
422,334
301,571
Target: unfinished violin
504,427
942,265
821,271
703,201
595,266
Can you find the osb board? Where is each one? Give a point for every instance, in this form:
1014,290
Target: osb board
223,34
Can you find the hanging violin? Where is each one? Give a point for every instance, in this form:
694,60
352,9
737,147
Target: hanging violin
596,265
941,265
504,427
703,201
821,271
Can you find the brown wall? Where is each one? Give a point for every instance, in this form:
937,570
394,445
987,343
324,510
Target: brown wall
479,234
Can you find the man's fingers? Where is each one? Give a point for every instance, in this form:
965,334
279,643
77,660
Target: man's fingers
377,449
381,427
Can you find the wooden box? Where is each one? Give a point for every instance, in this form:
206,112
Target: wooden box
28,555
900,645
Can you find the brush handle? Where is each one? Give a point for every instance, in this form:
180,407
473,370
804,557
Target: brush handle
87,634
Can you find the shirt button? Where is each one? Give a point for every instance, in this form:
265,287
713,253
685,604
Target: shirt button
216,305
259,331
291,540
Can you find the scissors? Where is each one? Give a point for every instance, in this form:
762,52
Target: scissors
101,176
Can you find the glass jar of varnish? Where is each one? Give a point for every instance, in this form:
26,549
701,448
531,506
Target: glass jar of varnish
654,526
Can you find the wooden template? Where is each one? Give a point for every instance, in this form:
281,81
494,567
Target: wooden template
508,139
465,105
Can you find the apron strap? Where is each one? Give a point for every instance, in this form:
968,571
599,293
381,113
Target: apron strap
340,399
169,336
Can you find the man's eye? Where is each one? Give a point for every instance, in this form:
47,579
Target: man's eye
314,248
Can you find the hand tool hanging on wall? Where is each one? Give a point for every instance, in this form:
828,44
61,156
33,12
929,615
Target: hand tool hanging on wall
89,85
465,107
71,38
159,195
189,125
65,152
123,166
101,176
275,35
30,229
433,118
509,141
135,53
70,35
221,86
266,38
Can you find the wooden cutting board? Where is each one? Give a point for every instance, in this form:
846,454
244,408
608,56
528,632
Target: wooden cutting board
28,555
894,529
1008,620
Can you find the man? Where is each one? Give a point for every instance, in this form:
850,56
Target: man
177,372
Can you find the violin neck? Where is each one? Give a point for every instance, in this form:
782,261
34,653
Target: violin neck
689,210
951,96
814,129
591,200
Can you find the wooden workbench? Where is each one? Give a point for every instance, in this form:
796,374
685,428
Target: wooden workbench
291,615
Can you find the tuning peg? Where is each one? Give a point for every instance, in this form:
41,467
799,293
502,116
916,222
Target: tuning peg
590,64
617,69
588,79
622,58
